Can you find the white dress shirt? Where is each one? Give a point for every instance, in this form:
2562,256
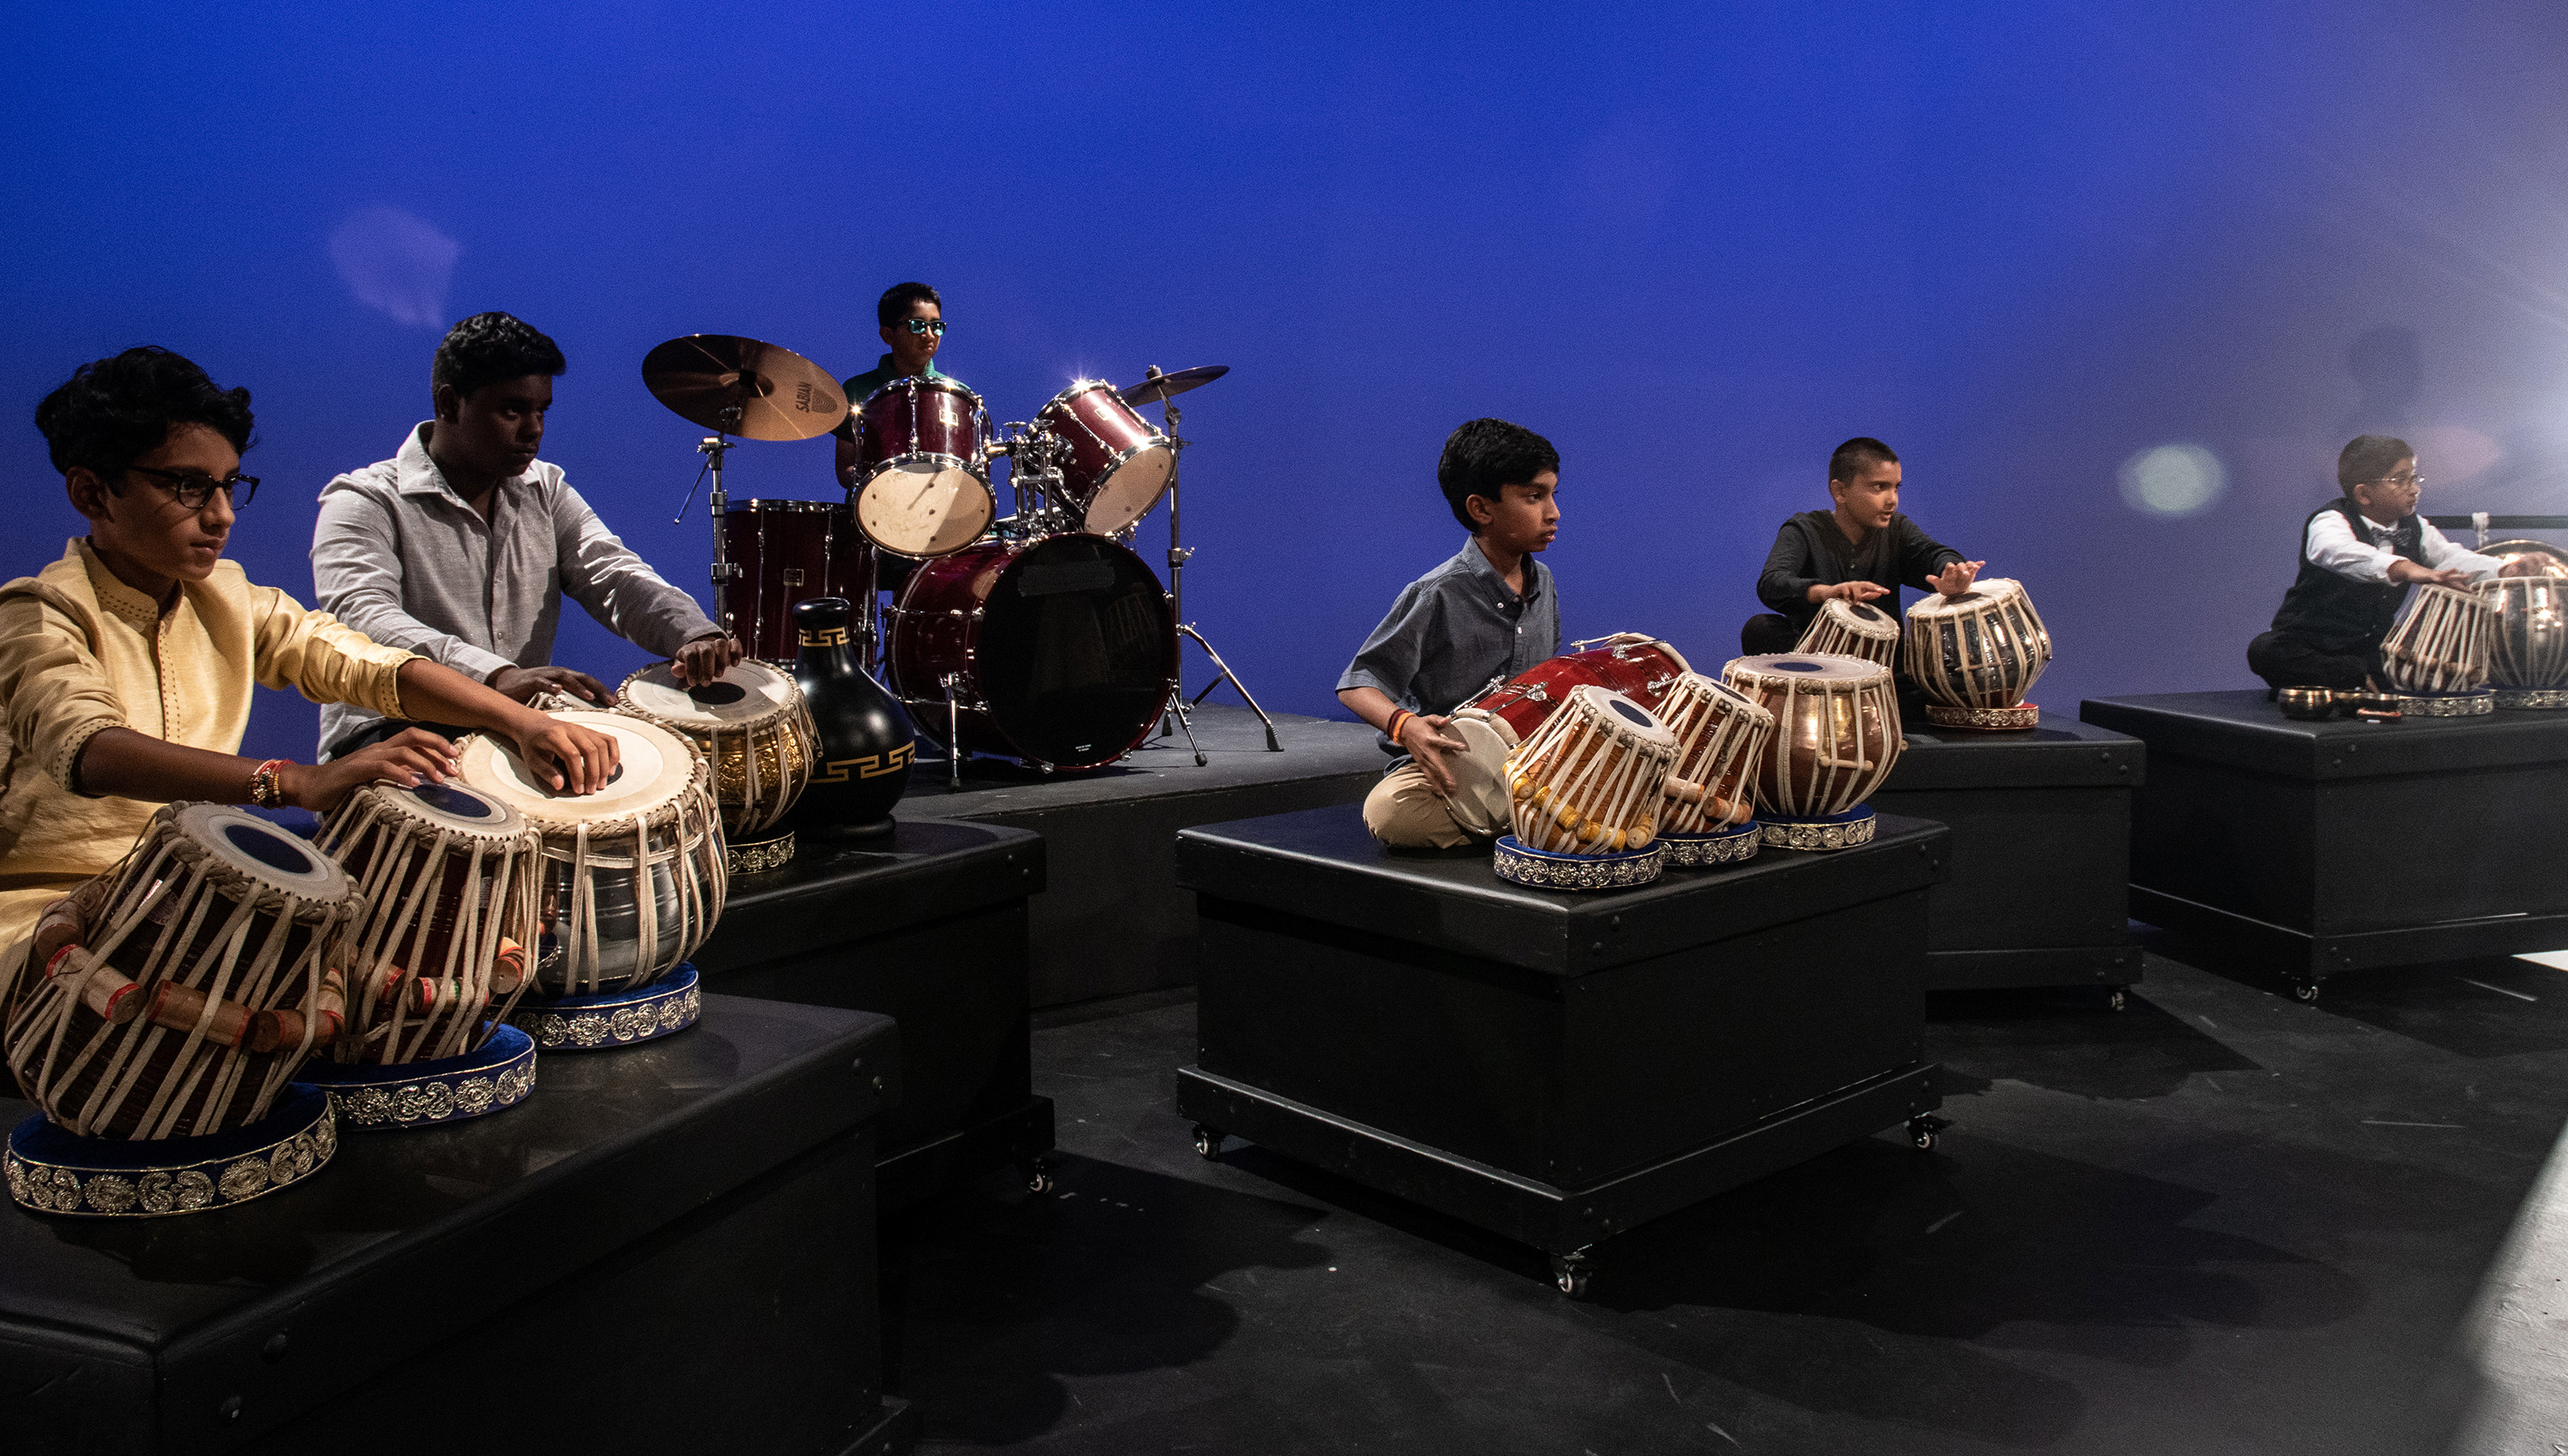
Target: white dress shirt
2331,543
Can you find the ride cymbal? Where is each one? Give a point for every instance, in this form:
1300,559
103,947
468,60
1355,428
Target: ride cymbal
742,387
1159,387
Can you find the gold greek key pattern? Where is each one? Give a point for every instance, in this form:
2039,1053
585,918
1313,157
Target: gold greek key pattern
871,766
826,637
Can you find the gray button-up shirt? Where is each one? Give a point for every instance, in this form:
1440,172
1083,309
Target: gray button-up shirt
399,556
1455,631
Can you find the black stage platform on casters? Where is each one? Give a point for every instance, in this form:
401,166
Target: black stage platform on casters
1113,920
2345,844
927,926
2042,851
666,1249
1556,1067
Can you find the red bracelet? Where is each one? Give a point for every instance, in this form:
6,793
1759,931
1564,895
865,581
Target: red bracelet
265,789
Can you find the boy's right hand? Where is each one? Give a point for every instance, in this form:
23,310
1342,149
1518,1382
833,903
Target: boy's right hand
1425,738
1853,591
2402,570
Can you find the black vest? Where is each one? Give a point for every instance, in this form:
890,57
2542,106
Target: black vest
2324,604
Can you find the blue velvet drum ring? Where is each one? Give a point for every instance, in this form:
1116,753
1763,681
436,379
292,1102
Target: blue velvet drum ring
1712,848
55,1172
613,1019
1832,832
1545,870
378,1099
2448,704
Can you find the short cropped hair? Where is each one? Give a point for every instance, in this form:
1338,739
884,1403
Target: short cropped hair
1482,456
2369,458
896,300
1855,454
489,348
114,410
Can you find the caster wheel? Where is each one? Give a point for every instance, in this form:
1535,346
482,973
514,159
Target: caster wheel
1569,1275
1039,1179
2116,1001
1923,1133
1923,1139
2305,992
1207,1141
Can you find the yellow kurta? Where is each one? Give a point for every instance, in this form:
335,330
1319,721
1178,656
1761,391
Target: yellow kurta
80,651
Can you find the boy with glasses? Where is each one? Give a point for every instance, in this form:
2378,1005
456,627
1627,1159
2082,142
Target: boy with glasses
2359,555
912,324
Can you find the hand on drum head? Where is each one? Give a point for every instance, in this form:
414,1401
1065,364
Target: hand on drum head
705,659
1956,577
410,757
2402,570
1428,740
568,757
527,684
2528,565
1853,591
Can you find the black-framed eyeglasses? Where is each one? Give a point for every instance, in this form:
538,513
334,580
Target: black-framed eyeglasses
926,326
195,487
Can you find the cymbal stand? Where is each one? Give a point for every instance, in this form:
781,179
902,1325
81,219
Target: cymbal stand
1180,709
712,448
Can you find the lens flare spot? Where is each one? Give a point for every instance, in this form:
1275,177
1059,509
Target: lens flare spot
2173,480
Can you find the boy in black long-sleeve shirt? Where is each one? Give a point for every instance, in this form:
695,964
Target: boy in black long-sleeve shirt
1860,549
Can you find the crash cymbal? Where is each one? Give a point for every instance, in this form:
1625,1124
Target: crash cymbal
745,388
1159,387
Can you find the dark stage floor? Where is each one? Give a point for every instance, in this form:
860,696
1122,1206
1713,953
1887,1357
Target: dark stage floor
2219,1222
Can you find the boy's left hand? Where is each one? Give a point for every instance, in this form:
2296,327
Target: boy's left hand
705,659
1956,578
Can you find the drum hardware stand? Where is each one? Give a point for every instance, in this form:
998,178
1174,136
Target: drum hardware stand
712,448
1179,711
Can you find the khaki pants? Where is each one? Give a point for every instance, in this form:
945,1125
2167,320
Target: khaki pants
1404,811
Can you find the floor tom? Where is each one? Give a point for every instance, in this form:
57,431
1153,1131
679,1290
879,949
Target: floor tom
783,552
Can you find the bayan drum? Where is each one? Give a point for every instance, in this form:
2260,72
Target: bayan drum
633,876
1119,465
1721,734
1061,651
1975,655
783,552
1494,723
922,477
436,959
1836,738
1852,629
756,736
193,992
1586,791
2528,642
2436,658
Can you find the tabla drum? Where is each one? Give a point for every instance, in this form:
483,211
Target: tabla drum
1494,723
1719,732
784,552
1119,465
1836,738
922,474
1061,651
193,994
1586,793
2548,558
1852,629
756,736
633,876
2528,641
2436,658
1975,655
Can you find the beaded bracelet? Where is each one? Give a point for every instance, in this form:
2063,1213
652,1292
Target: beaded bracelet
265,790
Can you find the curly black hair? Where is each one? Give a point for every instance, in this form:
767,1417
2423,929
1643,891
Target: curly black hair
112,411
1483,457
487,347
893,306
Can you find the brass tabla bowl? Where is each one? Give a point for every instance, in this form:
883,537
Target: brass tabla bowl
2307,705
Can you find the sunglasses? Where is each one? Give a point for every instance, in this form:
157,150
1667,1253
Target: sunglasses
926,326
195,487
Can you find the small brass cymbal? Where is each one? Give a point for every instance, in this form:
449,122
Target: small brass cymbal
744,388
1160,386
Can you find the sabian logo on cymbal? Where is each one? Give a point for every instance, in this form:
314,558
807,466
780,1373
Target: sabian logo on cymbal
802,396
826,637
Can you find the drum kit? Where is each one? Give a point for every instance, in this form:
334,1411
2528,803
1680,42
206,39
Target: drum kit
1040,635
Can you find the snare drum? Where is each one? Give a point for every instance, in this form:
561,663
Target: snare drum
1586,792
1975,655
1836,738
756,736
1720,734
1061,651
1852,629
785,551
1119,465
922,471
197,990
2528,641
633,876
2439,650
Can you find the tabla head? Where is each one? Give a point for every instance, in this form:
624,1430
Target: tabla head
256,852
1623,719
1985,593
750,694
449,805
1480,770
2549,560
1783,669
1861,618
1695,685
655,769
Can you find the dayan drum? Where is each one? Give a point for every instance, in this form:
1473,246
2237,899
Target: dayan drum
783,552
1975,655
756,736
1061,651
1119,465
633,877
922,474
201,975
1836,738
2528,641
1494,723
1585,792
1852,629
2436,658
1720,734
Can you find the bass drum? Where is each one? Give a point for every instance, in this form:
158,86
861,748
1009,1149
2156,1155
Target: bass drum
1063,650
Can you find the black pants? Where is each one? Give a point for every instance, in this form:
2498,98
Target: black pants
2298,660
1766,633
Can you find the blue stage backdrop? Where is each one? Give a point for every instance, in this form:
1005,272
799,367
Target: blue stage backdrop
2115,280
